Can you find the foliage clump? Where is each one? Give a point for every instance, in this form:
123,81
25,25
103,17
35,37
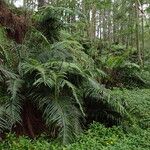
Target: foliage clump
97,137
46,87
57,83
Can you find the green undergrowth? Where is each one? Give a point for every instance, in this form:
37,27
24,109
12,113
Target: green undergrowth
134,137
97,137
137,103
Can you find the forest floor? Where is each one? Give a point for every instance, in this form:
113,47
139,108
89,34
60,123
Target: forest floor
98,137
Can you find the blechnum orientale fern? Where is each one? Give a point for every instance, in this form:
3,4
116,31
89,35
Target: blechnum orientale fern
51,81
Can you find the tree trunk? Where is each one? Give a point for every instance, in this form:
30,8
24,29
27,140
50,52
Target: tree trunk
137,34
143,43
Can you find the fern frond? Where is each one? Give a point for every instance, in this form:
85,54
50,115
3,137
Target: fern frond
6,73
75,50
64,66
14,86
14,106
74,92
5,123
93,89
62,114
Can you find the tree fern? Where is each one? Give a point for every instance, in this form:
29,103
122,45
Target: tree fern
13,106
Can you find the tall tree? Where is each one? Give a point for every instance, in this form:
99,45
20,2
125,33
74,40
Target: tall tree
137,33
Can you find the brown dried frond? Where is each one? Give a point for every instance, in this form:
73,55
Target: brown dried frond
16,26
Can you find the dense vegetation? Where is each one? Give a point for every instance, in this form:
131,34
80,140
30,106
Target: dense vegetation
63,68
98,136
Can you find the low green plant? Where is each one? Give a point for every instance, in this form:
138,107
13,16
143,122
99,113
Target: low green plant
97,137
137,103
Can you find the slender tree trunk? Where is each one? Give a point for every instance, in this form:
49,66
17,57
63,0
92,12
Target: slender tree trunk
93,23
114,25
137,33
143,43
104,25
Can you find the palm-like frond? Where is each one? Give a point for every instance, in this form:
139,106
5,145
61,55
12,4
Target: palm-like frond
102,106
67,67
75,50
74,93
93,89
30,66
14,106
6,73
10,112
14,86
62,114
5,123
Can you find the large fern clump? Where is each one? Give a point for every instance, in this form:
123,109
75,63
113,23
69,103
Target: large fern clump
50,84
120,65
